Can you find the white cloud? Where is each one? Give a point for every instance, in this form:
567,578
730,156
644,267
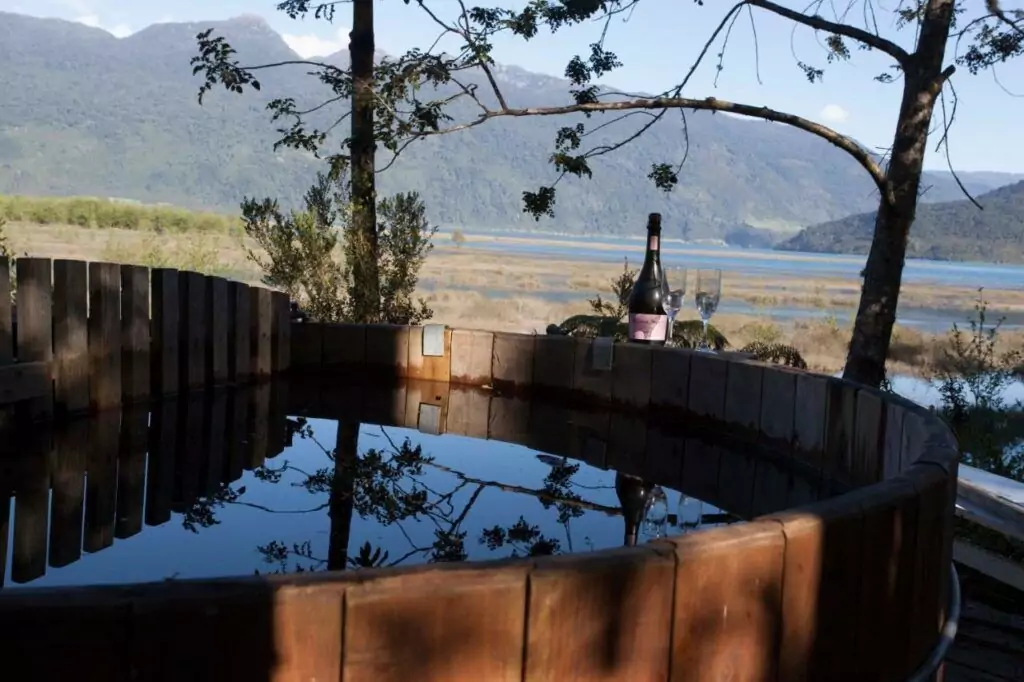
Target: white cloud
310,45
833,113
117,30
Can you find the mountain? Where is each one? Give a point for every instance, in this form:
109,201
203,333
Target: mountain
979,182
85,113
955,230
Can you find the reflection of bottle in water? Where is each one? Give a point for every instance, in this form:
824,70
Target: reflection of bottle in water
689,513
632,494
655,512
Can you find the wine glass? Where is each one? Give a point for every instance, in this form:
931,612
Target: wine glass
709,289
674,301
689,513
655,512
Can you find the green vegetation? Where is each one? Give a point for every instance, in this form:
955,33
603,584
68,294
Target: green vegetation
956,230
989,429
974,377
107,213
148,139
311,254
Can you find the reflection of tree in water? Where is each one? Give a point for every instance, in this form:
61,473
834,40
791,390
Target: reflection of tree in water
386,485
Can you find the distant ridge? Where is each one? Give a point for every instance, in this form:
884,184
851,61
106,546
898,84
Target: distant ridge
85,113
955,230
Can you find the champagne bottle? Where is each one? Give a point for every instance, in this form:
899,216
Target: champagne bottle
648,322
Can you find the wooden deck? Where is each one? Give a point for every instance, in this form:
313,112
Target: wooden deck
989,645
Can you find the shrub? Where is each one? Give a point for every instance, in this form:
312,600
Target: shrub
299,253
107,213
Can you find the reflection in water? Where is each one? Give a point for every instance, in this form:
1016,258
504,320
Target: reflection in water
228,483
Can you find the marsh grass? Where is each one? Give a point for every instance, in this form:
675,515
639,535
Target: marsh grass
95,213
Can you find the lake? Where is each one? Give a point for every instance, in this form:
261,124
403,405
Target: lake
766,261
603,248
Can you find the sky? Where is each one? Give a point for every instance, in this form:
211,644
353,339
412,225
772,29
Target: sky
657,44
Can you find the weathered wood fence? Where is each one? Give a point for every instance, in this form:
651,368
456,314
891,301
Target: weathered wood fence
84,337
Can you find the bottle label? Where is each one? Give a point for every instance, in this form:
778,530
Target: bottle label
646,327
652,242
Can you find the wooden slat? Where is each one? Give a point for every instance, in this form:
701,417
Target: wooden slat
31,509
104,335
6,327
193,344
214,440
991,501
217,313
189,464
163,435
239,443
101,481
991,564
23,381
261,313
131,471
67,470
239,332
277,413
135,349
34,342
258,426
281,334
70,336
164,332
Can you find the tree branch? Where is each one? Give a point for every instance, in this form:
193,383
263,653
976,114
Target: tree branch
820,24
996,11
861,155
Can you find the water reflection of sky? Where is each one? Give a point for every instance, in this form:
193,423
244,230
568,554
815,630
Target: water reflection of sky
230,547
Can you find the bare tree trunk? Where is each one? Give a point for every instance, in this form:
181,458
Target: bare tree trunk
365,274
340,504
883,273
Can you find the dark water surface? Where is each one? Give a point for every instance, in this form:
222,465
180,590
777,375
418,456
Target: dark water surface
233,483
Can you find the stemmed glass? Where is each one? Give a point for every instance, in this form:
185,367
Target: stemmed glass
709,289
689,513
655,512
674,301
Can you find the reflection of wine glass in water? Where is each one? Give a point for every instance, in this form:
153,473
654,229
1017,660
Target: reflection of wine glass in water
689,513
709,289
655,512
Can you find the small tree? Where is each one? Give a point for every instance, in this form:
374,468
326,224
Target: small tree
458,238
313,253
974,375
404,235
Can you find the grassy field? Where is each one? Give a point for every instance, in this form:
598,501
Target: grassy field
484,289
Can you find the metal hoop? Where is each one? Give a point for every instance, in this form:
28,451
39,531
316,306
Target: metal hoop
948,634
